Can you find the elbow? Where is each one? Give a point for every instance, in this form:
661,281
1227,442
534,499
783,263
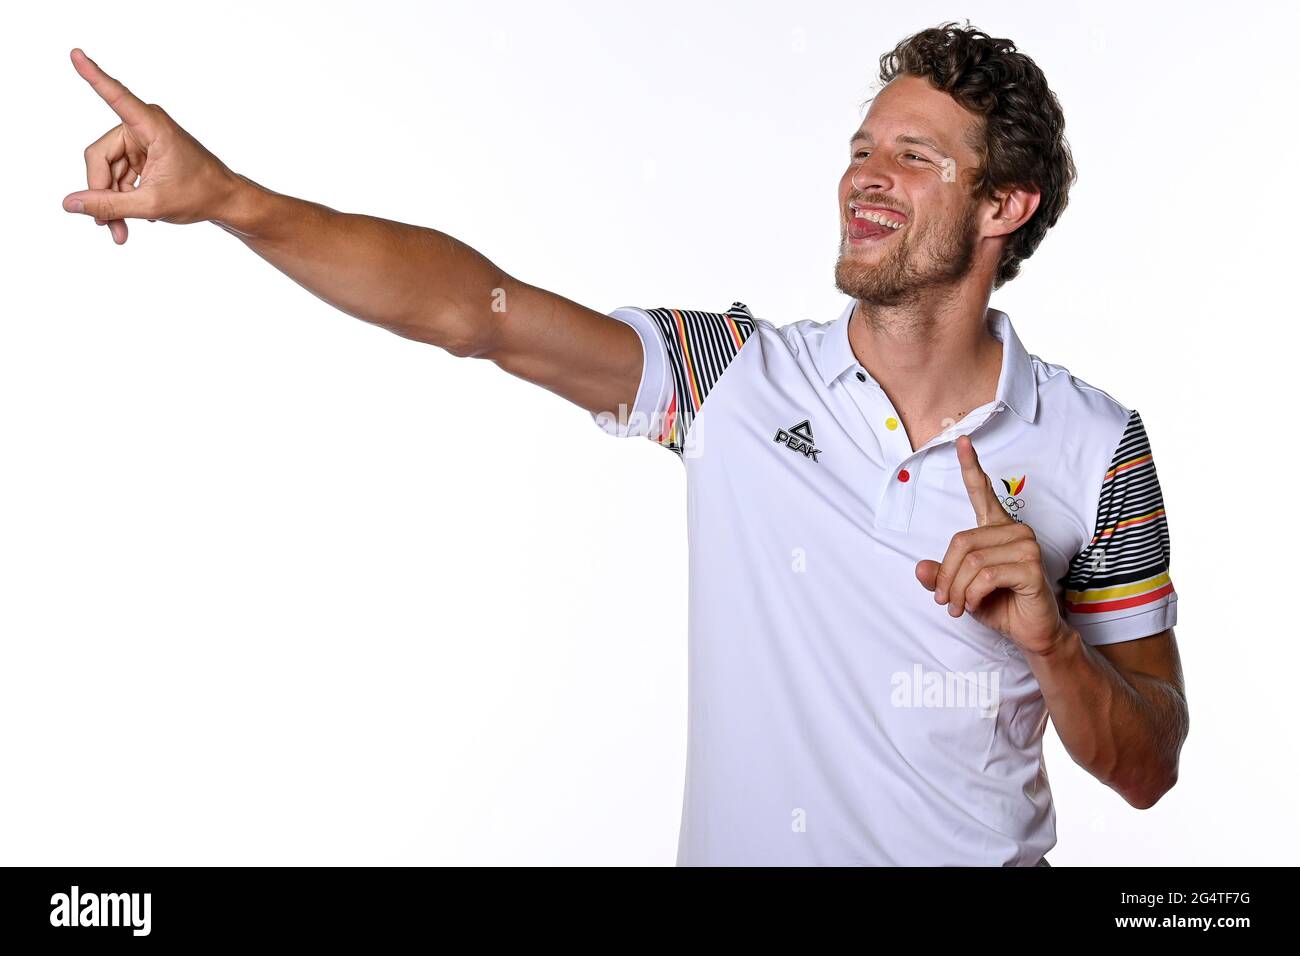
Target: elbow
448,331
465,346
464,326
1147,794
1143,785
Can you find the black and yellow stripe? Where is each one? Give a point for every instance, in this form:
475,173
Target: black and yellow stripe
1126,565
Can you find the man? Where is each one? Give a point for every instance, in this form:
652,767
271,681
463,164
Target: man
878,630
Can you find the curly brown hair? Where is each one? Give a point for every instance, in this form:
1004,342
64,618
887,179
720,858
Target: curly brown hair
1021,141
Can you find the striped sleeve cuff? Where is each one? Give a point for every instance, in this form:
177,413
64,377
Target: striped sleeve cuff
686,353
701,346
1118,588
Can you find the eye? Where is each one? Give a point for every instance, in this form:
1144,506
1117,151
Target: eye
921,158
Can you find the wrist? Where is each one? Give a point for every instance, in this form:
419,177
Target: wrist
1065,640
242,207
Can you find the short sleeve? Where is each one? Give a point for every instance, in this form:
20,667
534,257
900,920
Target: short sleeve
1118,588
686,352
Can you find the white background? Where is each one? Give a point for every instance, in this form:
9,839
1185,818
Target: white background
281,587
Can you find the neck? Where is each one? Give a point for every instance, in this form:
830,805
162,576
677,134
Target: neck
935,360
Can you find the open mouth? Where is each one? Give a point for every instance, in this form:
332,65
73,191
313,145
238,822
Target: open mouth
873,223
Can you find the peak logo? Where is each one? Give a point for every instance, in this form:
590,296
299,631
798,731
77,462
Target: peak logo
101,909
798,438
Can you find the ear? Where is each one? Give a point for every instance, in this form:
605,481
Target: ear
1012,210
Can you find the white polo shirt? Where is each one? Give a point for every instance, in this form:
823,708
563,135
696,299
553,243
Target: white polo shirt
837,714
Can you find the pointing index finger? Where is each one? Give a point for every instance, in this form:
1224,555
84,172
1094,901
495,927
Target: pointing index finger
122,101
988,509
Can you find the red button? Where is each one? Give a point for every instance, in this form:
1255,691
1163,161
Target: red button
903,475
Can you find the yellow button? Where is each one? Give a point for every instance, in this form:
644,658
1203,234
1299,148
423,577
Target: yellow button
891,423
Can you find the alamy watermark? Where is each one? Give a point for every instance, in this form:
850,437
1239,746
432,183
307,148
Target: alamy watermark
958,689
102,909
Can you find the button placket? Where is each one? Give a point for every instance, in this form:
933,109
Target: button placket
902,465
888,424
898,493
867,397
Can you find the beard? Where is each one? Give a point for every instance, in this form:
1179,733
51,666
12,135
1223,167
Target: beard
906,269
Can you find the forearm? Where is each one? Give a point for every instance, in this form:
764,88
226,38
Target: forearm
411,280
1125,732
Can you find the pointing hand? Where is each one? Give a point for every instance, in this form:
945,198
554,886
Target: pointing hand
180,181
995,569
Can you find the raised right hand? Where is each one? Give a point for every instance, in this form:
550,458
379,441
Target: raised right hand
180,181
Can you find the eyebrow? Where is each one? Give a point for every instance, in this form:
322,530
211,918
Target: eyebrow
860,136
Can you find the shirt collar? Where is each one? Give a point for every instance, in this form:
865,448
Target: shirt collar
1017,382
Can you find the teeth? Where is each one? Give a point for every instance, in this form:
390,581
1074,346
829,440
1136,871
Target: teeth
877,217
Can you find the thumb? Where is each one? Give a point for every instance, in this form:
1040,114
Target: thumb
927,572
110,204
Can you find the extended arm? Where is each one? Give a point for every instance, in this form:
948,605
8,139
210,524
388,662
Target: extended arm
416,282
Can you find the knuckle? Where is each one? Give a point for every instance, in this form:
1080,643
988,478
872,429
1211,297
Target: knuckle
988,575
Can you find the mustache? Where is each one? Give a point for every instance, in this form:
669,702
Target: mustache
871,201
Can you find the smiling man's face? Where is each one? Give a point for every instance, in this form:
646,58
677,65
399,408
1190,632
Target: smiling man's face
902,160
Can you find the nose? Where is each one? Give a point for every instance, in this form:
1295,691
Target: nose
874,171
867,174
